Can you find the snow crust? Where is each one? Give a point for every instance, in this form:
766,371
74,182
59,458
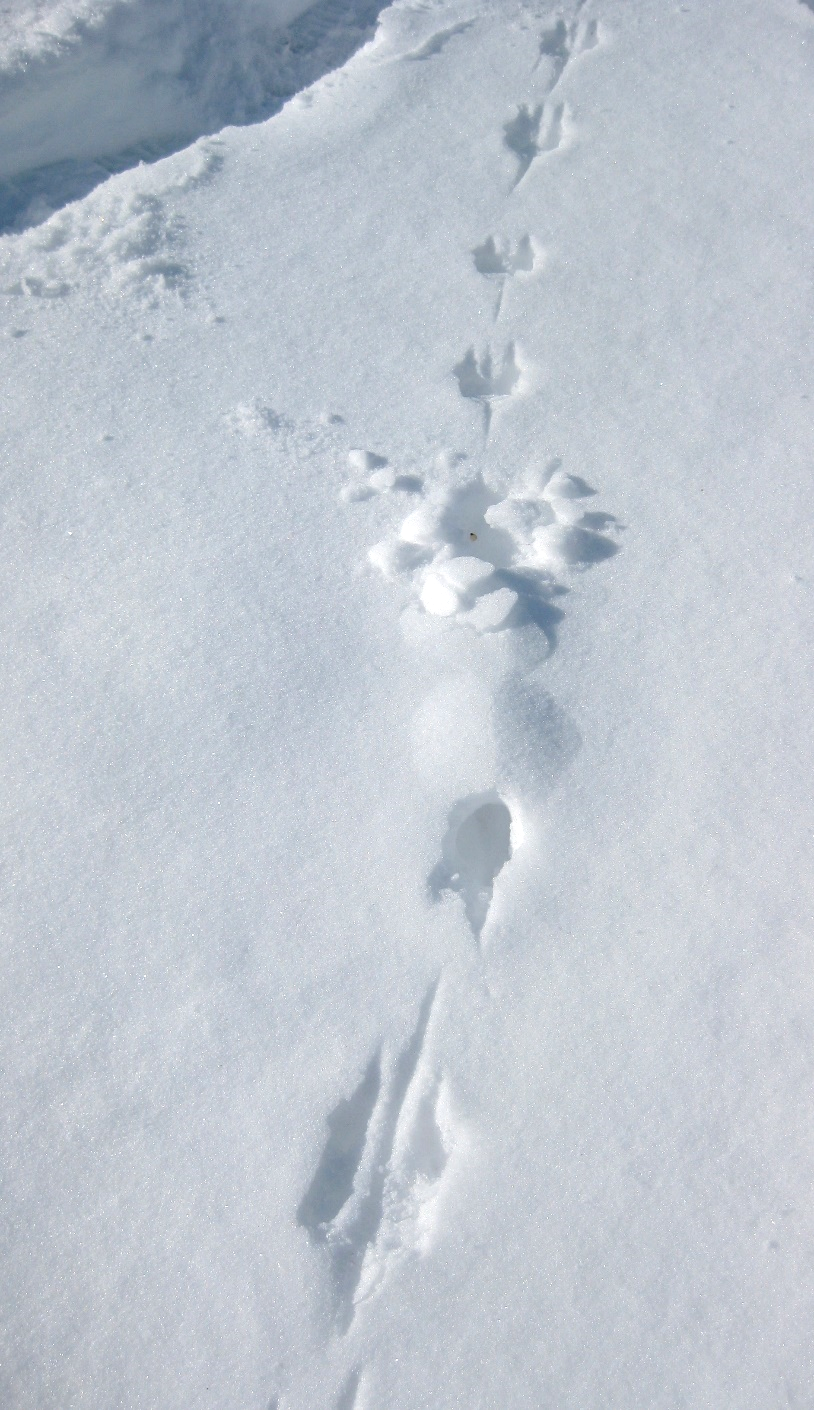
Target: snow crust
407,716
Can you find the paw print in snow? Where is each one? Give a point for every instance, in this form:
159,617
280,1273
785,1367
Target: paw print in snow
497,261
480,380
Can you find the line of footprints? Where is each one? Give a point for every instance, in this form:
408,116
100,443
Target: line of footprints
488,561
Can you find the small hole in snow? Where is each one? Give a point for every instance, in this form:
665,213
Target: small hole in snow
477,846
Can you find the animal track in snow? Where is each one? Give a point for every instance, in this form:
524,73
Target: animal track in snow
560,43
555,46
492,258
477,846
520,136
496,260
492,561
528,136
480,381
367,1177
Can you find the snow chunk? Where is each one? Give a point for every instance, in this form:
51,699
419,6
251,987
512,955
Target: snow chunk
423,526
491,611
365,460
519,517
465,574
563,486
394,558
438,597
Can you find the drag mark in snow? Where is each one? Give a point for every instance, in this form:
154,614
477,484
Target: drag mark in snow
552,137
365,1173
490,561
332,1185
477,845
439,41
496,260
425,1141
348,1395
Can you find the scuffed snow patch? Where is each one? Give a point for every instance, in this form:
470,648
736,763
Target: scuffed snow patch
124,238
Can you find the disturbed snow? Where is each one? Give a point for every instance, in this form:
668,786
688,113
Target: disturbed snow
408,712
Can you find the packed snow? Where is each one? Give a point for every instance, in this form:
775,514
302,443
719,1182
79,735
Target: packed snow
408,708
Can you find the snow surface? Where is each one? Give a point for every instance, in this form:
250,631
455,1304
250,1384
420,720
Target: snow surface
407,723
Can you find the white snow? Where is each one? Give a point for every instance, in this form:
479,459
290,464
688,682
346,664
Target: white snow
91,89
408,707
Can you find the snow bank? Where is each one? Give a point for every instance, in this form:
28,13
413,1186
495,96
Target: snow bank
89,89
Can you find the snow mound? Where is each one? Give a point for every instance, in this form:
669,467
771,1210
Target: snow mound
491,561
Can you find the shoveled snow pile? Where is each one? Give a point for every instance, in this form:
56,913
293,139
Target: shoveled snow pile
408,709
